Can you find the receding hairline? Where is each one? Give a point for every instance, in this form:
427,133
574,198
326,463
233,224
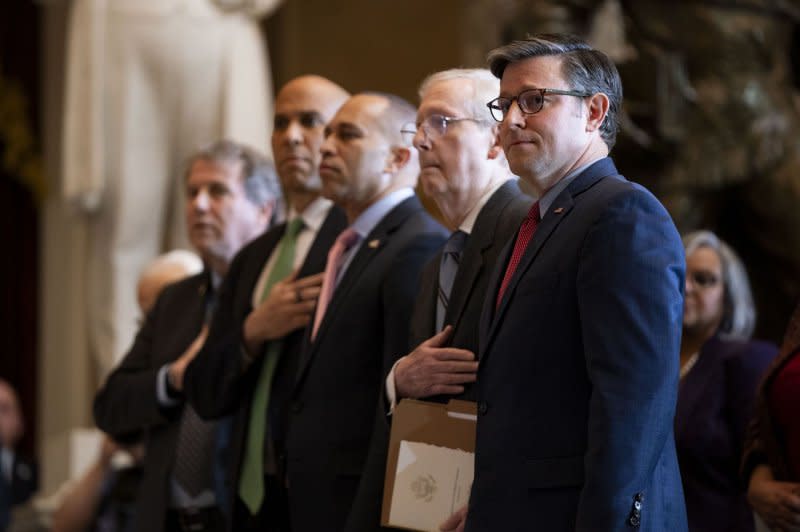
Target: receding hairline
476,77
396,113
482,85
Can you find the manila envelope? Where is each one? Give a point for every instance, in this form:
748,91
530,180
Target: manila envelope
430,463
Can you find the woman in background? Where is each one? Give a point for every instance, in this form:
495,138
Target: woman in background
720,371
771,462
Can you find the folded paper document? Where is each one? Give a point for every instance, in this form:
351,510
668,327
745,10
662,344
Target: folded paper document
430,464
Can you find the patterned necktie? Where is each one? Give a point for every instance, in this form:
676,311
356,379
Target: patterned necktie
448,268
343,243
194,454
251,480
526,230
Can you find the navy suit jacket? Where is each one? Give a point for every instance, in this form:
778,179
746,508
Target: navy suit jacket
578,371
24,484
335,405
24,480
715,405
218,381
127,407
497,221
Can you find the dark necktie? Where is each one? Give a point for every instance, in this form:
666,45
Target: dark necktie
448,268
194,455
526,231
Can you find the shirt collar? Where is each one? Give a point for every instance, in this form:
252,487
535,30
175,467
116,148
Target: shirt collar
367,220
550,196
472,215
314,214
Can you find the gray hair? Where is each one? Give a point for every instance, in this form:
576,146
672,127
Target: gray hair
739,313
584,69
485,87
260,180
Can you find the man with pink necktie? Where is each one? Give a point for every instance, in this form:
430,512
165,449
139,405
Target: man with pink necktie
362,319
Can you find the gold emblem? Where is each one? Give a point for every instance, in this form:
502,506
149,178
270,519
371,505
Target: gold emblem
374,243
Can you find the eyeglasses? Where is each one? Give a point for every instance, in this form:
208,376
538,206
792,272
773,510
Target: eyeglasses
529,101
434,126
703,279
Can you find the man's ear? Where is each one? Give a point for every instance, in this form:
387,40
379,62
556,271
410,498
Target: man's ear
598,109
496,149
398,158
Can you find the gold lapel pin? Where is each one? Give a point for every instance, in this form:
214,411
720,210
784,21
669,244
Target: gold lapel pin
559,210
374,243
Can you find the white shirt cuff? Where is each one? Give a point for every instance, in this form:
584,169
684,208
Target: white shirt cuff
391,390
162,395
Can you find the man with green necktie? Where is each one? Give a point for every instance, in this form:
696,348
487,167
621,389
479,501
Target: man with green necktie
247,365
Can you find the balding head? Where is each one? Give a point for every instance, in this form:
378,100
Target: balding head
302,108
165,269
477,87
460,157
328,95
364,156
11,425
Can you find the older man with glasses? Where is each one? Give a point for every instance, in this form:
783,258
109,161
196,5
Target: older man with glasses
464,170
580,331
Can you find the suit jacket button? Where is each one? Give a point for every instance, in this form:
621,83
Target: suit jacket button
483,407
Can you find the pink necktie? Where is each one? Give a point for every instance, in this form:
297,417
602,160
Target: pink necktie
526,231
344,242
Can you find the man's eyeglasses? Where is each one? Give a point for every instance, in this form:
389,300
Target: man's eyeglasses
434,126
529,101
703,279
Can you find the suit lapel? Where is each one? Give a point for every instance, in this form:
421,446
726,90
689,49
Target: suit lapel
477,251
370,248
425,312
198,309
252,268
488,309
558,211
